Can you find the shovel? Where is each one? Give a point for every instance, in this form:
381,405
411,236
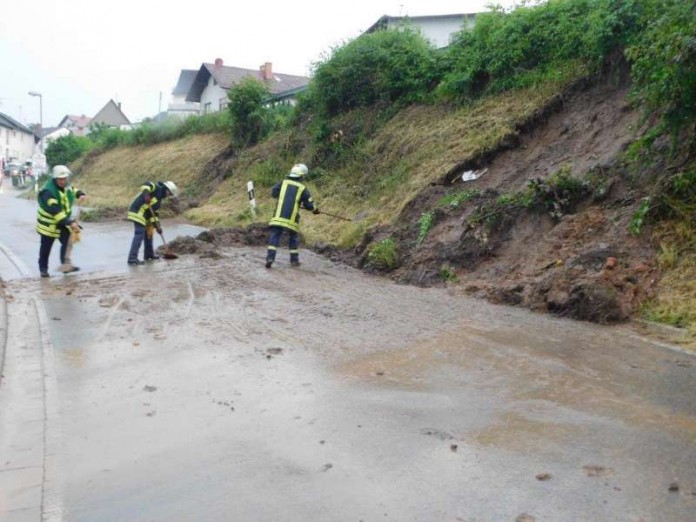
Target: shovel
167,254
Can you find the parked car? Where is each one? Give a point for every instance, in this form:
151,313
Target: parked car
16,172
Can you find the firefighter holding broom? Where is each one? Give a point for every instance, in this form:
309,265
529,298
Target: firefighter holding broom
143,213
55,219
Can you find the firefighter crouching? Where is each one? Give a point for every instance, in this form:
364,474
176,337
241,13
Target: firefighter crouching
143,213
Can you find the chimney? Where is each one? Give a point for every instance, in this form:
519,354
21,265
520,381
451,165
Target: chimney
267,71
218,62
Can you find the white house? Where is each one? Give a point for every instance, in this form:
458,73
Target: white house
213,80
77,125
438,29
52,134
16,140
178,106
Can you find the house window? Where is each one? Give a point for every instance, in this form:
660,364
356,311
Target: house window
207,107
223,103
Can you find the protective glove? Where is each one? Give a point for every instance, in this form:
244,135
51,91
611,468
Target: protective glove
316,210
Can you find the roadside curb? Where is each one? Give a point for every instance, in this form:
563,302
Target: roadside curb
52,486
673,334
30,485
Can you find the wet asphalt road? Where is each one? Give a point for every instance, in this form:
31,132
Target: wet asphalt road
213,389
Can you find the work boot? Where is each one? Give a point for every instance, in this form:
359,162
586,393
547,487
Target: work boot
45,274
295,262
269,263
135,262
153,257
72,269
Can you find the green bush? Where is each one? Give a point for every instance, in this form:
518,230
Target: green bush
267,173
447,273
247,112
67,149
455,199
383,255
663,58
380,68
504,49
425,223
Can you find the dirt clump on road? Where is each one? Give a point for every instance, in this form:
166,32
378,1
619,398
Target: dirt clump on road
209,243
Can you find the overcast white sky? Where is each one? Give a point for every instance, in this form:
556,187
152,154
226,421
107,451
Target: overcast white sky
79,54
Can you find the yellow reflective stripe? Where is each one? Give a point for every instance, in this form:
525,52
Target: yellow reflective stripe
137,217
286,223
296,208
48,231
281,200
271,247
60,216
52,201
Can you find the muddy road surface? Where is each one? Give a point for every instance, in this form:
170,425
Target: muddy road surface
215,389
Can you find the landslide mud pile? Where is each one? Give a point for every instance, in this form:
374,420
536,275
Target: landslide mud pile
546,225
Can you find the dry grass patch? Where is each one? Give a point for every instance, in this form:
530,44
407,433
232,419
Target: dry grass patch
112,179
675,302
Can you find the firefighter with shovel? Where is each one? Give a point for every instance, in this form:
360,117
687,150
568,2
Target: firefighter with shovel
292,195
143,213
55,219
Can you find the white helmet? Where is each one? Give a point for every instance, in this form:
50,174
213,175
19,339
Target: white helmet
171,186
298,171
61,171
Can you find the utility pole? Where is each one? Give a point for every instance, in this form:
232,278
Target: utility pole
41,142
34,93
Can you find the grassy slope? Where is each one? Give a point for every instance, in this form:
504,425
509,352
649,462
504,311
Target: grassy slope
417,147
112,179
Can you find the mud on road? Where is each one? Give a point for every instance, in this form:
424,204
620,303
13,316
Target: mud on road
321,393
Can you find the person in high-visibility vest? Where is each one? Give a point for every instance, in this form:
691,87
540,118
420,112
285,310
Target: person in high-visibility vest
292,195
143,213
54,218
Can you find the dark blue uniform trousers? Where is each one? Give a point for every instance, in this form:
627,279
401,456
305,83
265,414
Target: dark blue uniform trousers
274,242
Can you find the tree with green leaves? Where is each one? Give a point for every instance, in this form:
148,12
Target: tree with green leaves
67,149
247,112
381,68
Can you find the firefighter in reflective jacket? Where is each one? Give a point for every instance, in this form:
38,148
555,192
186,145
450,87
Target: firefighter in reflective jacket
291,195
143,213
54,220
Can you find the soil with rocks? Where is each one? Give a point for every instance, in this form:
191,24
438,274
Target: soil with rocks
577,260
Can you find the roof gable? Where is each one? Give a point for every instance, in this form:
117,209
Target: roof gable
10,123
77,121
227,77
111,115
186,79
